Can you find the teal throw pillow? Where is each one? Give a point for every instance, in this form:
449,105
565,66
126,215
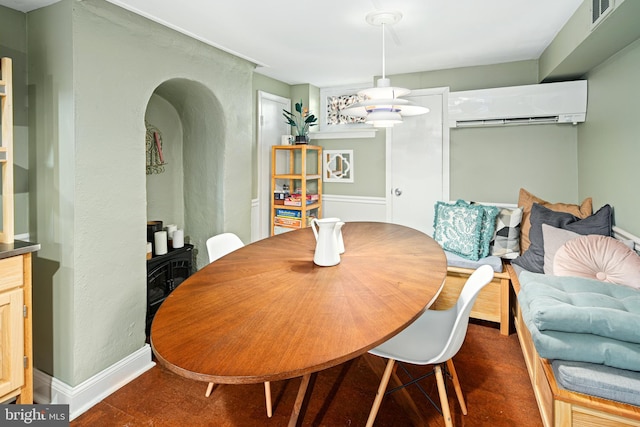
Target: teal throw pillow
488,229
457,228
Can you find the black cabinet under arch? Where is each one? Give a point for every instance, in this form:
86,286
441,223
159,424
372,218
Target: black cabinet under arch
164,274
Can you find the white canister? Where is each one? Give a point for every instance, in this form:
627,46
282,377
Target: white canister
178,238
170,229
160,241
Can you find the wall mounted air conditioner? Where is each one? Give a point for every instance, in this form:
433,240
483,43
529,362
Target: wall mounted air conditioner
562,102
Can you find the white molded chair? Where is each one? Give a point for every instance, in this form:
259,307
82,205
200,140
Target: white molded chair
433,339
222,244
217,247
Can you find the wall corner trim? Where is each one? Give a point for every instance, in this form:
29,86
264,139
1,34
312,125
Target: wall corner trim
48,389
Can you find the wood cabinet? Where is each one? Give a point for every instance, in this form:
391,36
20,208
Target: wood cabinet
16,350
16,353
296,175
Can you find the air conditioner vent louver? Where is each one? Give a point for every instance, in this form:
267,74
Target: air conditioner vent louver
563,102
599,9
508,122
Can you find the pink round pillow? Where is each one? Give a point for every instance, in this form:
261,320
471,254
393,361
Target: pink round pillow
598,257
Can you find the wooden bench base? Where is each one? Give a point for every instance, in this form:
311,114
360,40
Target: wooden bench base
493,303
559,407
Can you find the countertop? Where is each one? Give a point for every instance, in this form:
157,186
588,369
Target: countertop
18,247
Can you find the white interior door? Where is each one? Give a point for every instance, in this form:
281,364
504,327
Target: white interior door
271,127
418,162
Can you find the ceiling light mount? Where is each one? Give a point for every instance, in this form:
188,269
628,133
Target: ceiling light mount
386,17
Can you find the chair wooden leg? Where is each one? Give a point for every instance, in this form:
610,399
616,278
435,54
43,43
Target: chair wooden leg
456,385
267,396
209,389
380,394
444,402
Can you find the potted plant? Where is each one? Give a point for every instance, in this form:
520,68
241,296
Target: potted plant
301,122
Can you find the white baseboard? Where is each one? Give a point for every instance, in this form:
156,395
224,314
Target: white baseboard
48,389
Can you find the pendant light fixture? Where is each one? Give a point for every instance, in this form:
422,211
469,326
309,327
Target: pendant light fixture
382,106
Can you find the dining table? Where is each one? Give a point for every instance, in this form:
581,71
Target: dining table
266,312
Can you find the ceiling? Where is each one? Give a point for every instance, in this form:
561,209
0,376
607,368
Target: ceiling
328,43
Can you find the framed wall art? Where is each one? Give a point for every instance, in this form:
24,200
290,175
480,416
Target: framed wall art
333,100
337,166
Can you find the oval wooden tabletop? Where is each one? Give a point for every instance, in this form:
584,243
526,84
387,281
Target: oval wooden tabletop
266,312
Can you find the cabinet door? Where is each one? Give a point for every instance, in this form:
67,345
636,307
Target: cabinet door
11,341
180,270
158,284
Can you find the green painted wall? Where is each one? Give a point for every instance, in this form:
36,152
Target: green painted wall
492,164
165,190
93,69
608,142
581,46
52,169
468,78
369,156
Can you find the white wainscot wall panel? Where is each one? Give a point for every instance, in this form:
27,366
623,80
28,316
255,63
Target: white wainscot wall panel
354,208
347,208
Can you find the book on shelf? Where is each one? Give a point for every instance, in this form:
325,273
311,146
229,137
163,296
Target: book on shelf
296,202
297,195
289,213
292,222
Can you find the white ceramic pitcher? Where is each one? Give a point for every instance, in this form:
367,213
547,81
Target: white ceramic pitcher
328,234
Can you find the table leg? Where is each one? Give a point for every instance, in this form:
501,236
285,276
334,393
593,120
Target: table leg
300,405
401,396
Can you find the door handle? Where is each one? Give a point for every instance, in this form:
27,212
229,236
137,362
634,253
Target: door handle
397,192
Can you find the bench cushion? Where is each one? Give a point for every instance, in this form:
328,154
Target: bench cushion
598,380
586,306
577,319
454,260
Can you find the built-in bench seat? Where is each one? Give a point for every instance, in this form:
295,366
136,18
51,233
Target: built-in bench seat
493,301
559,406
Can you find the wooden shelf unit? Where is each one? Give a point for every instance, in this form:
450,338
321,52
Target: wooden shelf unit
6,149
296,165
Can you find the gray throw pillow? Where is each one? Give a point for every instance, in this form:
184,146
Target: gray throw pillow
533,258
553,238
